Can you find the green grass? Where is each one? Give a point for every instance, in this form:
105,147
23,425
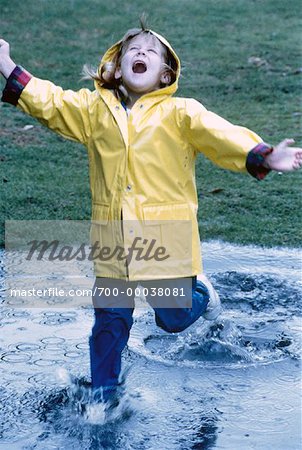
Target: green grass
46,177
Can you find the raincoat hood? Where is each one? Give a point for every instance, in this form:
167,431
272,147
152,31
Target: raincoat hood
112,54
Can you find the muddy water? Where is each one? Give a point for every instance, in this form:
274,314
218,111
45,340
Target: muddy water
229,384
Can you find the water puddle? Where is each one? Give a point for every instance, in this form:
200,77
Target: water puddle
233,383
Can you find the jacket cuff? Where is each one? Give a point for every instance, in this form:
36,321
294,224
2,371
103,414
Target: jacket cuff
255,159
15,84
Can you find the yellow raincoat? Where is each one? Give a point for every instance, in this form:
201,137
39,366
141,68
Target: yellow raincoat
142,166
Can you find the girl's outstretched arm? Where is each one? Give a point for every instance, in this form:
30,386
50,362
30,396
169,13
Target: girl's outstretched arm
234,147
64,111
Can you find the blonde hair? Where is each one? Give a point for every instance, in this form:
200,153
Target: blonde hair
106,76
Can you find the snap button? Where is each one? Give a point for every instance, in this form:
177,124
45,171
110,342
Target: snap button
117,107
129,187
141,106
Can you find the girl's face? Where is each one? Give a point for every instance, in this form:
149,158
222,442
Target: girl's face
141,66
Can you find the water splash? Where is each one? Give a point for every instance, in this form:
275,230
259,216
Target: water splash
78,400
259,325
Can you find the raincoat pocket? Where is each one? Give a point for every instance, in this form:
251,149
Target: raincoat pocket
100,213
171,227
164,212
101,228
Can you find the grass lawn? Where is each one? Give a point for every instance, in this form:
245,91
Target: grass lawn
241,59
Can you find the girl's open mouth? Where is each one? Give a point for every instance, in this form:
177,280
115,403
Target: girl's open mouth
139,67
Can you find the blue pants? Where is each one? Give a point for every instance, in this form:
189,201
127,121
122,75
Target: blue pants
111,329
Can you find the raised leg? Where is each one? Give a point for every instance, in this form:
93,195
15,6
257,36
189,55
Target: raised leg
178,318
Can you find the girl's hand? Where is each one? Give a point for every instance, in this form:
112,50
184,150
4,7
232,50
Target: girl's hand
284,158
7,65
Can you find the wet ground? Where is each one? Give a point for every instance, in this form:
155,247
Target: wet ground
229,384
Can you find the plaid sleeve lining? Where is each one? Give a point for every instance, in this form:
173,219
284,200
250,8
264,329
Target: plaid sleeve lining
15,84
255,159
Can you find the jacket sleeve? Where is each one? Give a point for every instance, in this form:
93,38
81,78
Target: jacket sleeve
228,146
64,111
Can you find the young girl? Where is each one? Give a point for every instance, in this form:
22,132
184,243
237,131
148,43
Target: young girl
142,143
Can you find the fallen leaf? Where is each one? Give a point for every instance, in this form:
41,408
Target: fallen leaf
256,61
216,191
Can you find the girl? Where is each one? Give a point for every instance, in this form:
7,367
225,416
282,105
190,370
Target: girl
142,143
